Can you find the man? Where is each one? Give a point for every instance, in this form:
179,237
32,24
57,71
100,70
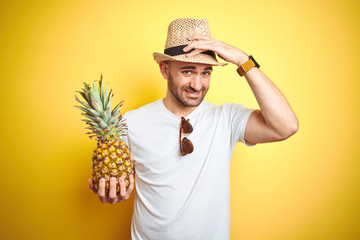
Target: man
182,145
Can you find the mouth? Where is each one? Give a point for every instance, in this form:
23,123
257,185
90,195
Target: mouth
193,94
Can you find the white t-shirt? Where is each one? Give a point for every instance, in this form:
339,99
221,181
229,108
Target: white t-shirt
183,197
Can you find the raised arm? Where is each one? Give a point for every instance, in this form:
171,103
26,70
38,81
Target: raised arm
275,121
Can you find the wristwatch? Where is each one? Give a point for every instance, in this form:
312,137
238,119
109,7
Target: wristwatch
244,68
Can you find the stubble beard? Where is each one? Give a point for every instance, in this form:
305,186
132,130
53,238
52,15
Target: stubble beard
178,93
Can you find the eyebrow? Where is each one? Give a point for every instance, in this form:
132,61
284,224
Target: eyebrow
194,67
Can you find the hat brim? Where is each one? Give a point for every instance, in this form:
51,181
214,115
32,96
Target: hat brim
198,58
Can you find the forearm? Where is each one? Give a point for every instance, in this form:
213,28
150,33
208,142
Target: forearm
278,118
275,109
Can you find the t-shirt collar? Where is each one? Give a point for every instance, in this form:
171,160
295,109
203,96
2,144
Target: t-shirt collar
195,111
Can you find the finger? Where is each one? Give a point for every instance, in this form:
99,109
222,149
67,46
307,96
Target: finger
131,186
91,185
198,37
101,191
194,45
112,192
203,46
193,53
122,188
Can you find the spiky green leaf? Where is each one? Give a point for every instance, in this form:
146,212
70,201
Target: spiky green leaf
101,122
95,129
87,95
89,117
96,105
106,97
94,112
87,86
116,109
94,95
101,88
105,116
110,97
95,124
111,120
96,92
84,96
83,103
82,109
116,122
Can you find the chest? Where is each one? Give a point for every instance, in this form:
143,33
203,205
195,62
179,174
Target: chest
155,145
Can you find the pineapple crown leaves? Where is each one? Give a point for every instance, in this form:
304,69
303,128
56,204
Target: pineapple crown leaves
96,109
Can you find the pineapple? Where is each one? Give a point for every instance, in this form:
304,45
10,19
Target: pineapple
111,157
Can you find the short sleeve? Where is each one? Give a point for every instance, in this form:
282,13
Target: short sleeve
238,116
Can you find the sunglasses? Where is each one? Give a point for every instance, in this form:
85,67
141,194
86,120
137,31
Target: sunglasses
186,145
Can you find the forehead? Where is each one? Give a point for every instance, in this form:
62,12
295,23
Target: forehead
184,65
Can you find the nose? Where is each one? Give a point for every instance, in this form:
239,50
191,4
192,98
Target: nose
195,83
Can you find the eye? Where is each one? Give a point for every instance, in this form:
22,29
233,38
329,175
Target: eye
186,72
206,73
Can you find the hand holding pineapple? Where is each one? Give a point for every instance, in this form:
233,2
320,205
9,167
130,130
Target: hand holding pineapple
111,157
113,197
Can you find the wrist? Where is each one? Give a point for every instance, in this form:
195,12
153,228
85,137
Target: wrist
243,58
245,67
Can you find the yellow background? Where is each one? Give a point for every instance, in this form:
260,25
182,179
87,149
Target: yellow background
307,187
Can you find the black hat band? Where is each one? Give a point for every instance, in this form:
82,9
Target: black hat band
178,50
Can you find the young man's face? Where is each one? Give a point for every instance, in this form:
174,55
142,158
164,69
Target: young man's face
189,82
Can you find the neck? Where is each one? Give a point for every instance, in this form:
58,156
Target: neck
175,107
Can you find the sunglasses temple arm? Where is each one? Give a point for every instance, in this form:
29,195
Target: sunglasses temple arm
180,143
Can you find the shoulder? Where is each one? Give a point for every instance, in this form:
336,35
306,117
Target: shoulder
225,108
142,111
233,107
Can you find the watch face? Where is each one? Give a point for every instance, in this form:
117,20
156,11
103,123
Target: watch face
256,64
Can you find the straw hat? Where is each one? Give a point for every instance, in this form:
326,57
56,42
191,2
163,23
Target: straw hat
178,32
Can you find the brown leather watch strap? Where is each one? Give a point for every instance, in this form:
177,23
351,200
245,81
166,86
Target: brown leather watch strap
249,64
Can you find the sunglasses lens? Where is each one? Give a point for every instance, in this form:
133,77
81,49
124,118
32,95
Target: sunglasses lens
186,146
186,126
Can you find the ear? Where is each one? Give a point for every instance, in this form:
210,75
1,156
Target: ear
164,69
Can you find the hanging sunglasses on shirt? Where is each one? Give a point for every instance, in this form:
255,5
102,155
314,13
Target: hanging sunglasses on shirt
186,145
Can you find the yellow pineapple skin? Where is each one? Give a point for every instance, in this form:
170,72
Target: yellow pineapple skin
111,158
